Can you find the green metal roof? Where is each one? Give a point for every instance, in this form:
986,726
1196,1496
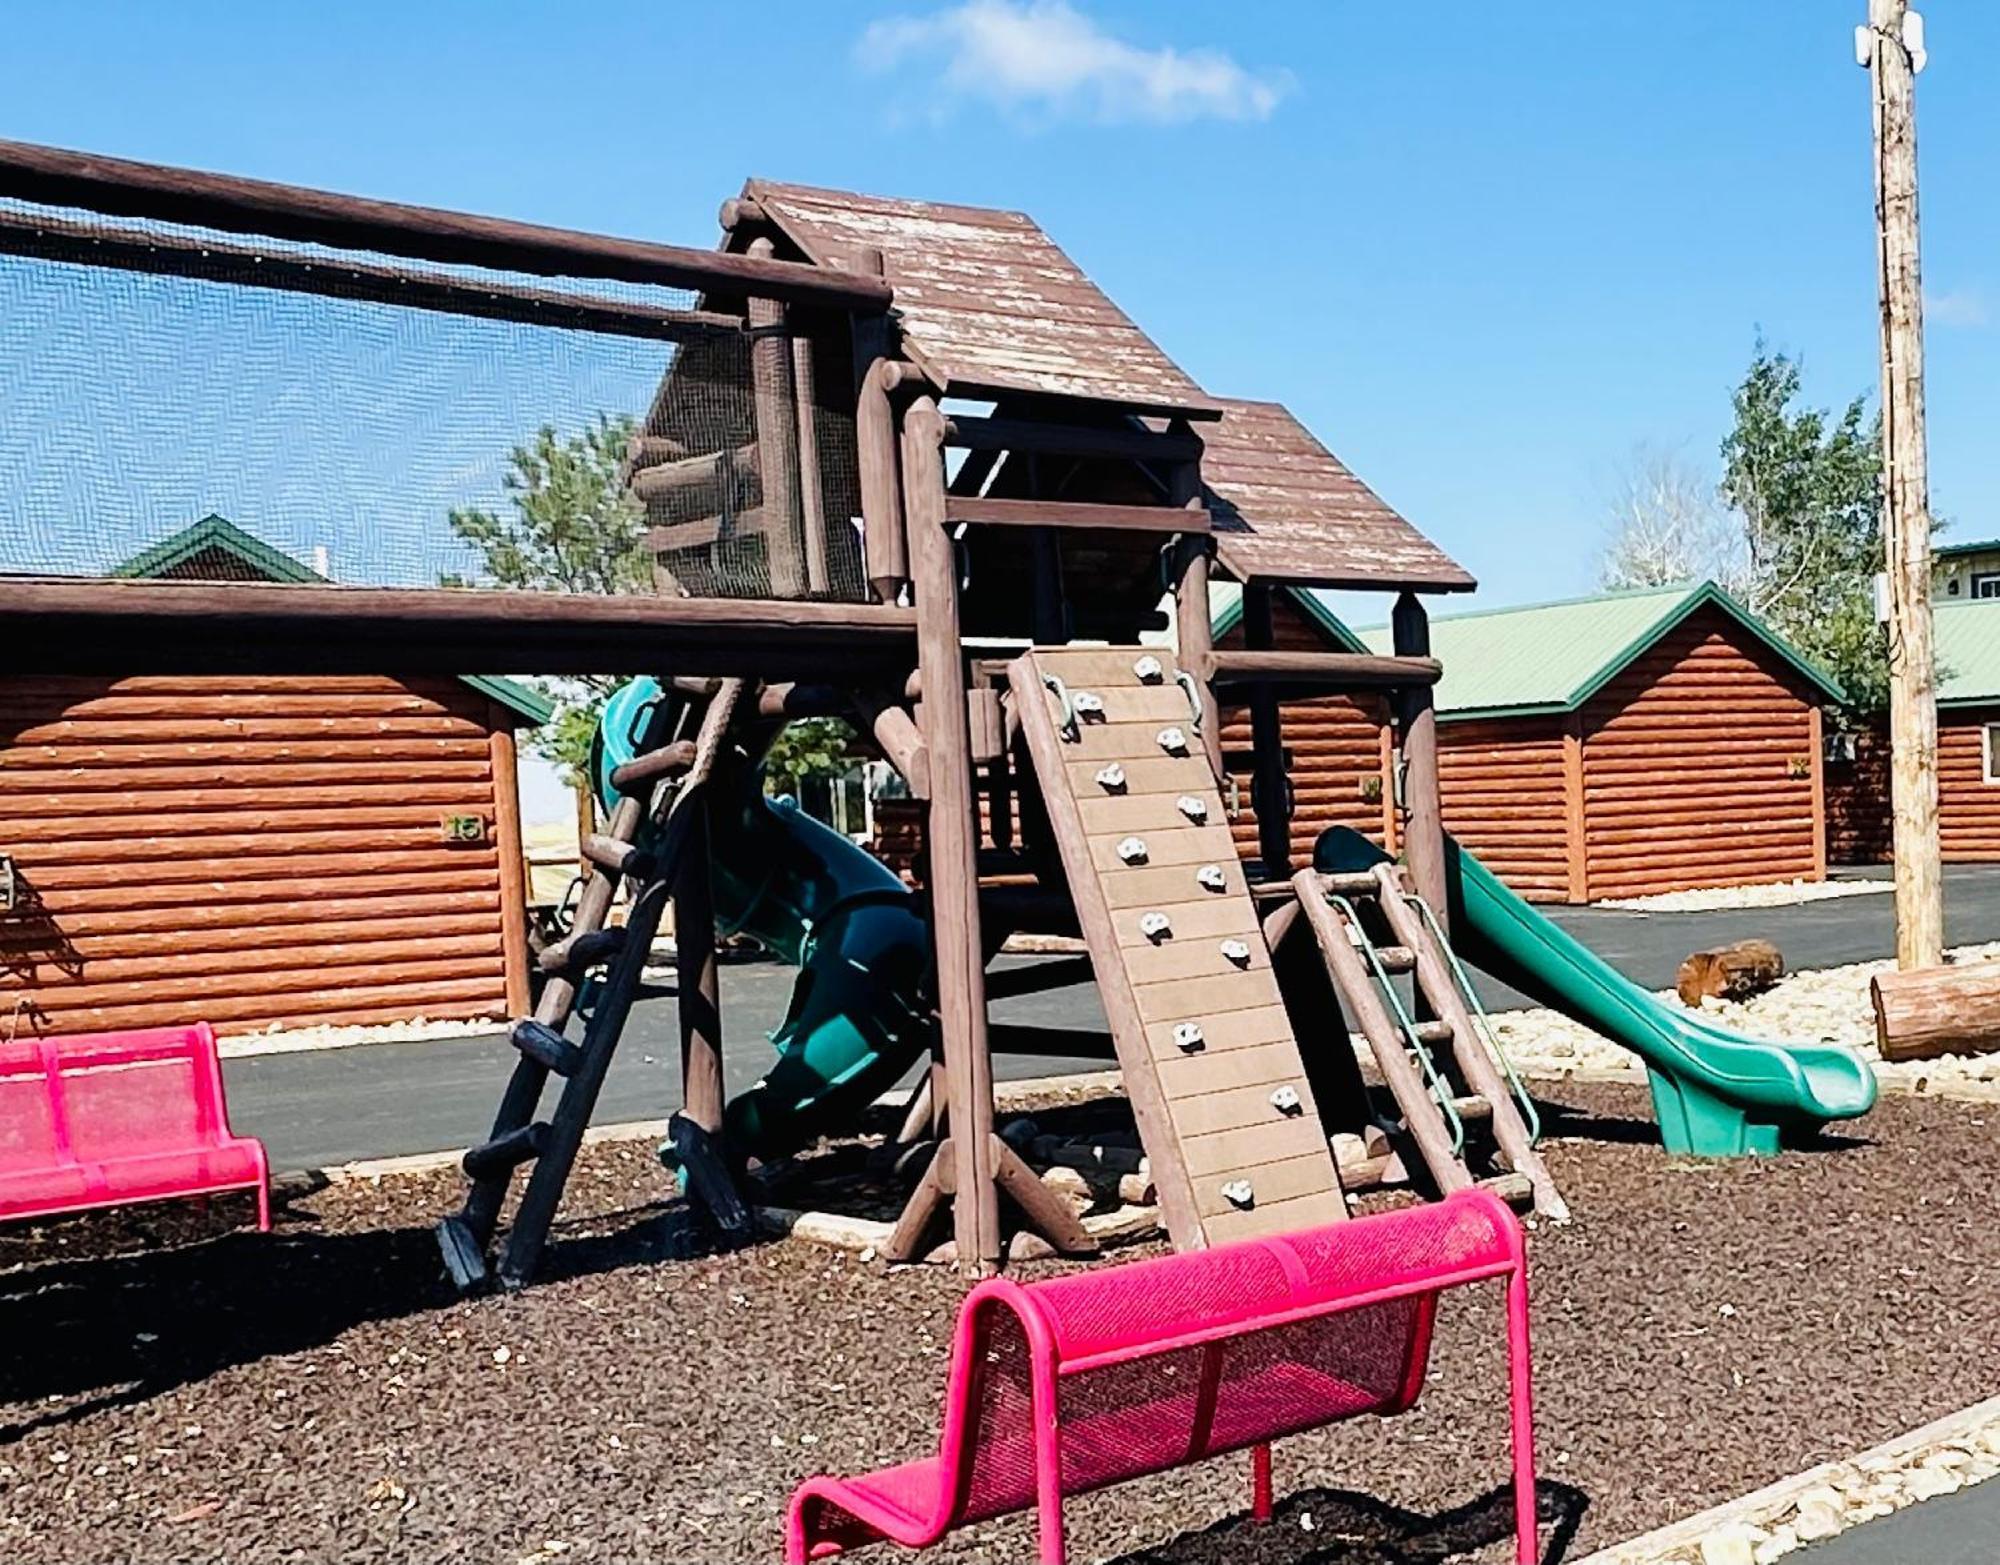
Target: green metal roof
1553,657
218,535
1947,551
1225,601
1968,652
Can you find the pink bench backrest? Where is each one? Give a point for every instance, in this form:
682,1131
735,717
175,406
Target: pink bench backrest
96,1098
1170,1360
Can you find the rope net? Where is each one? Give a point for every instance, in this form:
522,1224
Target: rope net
179,402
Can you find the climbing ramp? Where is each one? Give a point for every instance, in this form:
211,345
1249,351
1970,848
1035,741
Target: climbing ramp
1232,1133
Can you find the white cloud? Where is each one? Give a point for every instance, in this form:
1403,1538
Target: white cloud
1957,307
1044,57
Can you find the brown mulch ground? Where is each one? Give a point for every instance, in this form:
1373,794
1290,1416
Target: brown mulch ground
319,1393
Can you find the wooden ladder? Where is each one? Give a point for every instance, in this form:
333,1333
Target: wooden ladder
648,808
1232,1135
1441,1072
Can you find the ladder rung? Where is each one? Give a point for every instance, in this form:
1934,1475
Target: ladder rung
618,858
506,1153
1428,1033
641,772
1350,885
584,949
1472,1107
463,1258
1514,1189
546,1047
1396,959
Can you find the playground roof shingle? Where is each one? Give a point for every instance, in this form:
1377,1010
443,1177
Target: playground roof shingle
990,305
1287,509
1553,657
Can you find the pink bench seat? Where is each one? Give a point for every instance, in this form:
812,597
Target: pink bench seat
113,1119
1061,1387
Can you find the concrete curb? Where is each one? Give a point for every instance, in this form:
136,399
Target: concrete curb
1753,1528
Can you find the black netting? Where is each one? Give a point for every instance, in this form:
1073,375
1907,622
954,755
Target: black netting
180,402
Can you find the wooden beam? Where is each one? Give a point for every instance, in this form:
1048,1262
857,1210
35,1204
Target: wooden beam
1045,439
1816,759
1325,672
46,238
1416,719
119,187
980,512
901,740
953,841
58,626
702,479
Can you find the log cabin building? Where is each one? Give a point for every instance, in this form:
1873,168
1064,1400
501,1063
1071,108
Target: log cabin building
258,851
1614,746
1968,700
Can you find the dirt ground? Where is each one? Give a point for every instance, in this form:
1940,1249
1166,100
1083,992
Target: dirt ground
318,1393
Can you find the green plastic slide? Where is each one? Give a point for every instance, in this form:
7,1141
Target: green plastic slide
812,898
1715,1094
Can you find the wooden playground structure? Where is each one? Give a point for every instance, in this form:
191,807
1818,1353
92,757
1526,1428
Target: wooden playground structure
947,504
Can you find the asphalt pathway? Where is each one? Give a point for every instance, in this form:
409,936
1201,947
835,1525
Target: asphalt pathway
392,1099
1955,1529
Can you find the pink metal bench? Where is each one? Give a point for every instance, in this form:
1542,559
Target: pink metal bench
115,1118
1065,1386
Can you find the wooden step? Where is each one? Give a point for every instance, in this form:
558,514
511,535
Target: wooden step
1432,1034
506,1153
582,950
619,858
546,1047
640,773
1514,1189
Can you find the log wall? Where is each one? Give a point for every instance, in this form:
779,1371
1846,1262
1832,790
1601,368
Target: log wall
251,851
1968,805
1502,781
1701,767
1338,747
1857,800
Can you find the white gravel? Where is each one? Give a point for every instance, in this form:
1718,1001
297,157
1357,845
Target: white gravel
298,1040
1827,1006
1783,893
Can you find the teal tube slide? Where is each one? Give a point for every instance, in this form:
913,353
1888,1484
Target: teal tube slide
812,898
1715,1093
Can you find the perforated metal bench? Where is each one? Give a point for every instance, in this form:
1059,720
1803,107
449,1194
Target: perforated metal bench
1061,1387
111,1119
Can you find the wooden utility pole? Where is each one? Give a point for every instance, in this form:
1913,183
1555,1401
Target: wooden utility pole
1891,45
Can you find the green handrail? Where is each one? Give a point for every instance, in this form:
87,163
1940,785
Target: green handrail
1440,1089
1485,1023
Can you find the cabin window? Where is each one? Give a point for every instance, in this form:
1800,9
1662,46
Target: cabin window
1986,585
1991,733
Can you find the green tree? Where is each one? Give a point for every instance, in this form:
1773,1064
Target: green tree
573,526
1806,486
810,747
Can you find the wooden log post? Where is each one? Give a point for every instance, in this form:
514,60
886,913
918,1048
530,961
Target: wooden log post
696,989
1731,972
1930,1011
777,439
513,866
885,556
812,498
1416,722
1194,634
952,835
1270,792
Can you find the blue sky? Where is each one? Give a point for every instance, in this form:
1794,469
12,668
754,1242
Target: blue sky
1482,261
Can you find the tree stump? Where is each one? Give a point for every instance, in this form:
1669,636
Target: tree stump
1732,972
1937,1010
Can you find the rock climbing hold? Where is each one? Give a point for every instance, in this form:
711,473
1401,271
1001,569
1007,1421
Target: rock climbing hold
1149,670
1193,806
1133,850
1112,777
1211,878
1155,926
1187,1037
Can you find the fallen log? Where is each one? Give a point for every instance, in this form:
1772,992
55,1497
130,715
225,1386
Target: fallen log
1937,1010
1732,972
